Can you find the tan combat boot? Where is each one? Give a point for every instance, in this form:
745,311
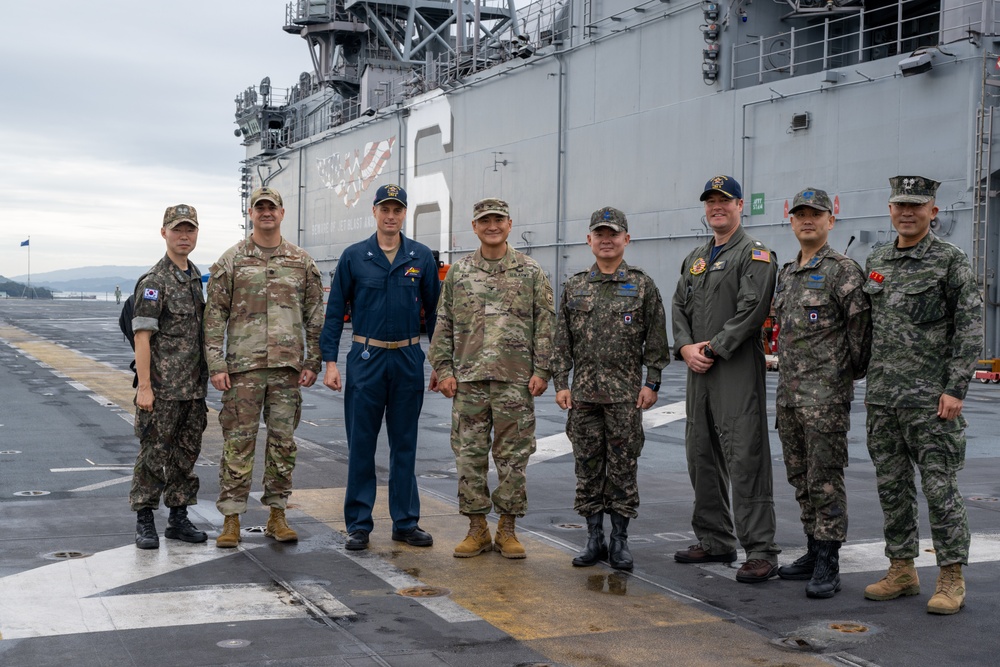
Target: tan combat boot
506,541
950,594
277,527
478,540
230,535
900,580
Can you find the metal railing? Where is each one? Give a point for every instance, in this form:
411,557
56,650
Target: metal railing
823,43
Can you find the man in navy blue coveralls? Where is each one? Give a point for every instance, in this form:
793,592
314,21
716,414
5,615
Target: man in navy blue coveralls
387,279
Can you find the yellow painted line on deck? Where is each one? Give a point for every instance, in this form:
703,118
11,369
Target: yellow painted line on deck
586,617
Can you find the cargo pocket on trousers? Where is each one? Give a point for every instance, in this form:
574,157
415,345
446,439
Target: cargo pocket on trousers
831,448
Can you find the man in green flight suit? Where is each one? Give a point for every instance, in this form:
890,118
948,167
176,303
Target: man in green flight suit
722,298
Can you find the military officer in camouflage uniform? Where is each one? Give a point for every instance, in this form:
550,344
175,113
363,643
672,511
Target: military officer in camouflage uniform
824,343
928,328
491,351
171,414
265,296
611,324
722,299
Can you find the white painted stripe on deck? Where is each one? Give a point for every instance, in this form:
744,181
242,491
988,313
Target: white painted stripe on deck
67,597
79,386
101,485
557,445
870,557
445,608
89,468
104,402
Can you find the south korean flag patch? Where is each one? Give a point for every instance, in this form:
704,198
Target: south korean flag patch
627,318
150,294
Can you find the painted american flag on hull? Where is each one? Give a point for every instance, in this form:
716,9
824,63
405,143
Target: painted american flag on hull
350,174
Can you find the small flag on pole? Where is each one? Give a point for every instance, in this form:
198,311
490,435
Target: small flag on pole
24,243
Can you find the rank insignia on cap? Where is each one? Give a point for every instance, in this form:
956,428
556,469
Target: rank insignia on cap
627,318
150,294
876,276
412,271
813,316
699,266
760,255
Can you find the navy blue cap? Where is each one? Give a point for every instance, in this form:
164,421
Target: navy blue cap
725,185
390,193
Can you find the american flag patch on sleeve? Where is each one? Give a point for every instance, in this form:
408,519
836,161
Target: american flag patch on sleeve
760,255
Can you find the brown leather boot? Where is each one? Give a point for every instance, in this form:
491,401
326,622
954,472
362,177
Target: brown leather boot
901,579
506,541
478,540
277,527
230,535
949,596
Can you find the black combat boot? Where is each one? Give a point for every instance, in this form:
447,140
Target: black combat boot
145,530
801,569
619,557
179,527
597,548
825,581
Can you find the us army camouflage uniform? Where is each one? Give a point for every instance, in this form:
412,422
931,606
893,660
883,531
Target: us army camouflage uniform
824,344
494,331
258,309
169,303
725,302
927,314
608,328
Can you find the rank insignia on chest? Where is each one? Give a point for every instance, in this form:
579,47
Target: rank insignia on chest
699,266
760,255
627,318
814,316
719,265
412,272
876,276
150,294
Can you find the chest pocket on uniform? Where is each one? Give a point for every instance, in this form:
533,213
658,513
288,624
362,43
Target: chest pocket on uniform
580,303
820,309
924,301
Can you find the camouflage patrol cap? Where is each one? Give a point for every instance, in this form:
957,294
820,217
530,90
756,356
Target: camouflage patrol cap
175,215
265,194
812,198
390,192
609,217
912,190
726,185
485,207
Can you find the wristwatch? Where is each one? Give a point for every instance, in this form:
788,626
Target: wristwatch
655,386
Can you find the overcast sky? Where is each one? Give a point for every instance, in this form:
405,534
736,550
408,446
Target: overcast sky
113,110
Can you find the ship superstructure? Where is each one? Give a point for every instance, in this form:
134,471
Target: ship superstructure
562,107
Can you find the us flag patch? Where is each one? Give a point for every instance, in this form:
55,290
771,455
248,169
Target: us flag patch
150,294
760,255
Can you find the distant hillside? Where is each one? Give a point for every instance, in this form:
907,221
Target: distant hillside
88,279
14,289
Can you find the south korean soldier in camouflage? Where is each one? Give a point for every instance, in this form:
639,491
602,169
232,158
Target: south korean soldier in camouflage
824,344
491,351
265,296
928,329
611,323
171,414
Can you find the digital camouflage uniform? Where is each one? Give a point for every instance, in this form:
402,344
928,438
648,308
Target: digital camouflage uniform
494,331
927,315
258,309
169,303
726,302
608,328
824,343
